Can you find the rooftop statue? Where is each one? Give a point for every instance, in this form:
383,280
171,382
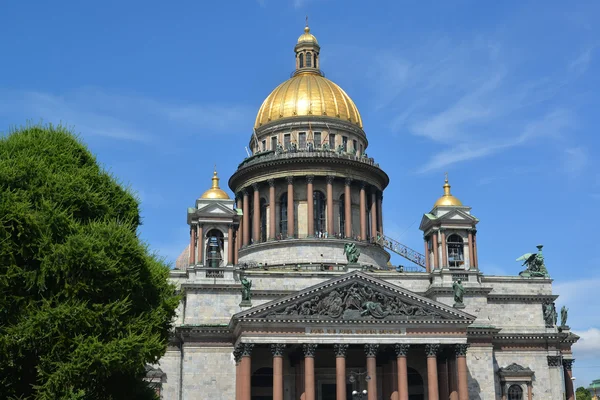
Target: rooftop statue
246,286
459,292
326,146
279,149
352,253
340,149
535,264
564,314
550,315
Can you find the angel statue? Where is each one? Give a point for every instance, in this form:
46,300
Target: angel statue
352,253
535,264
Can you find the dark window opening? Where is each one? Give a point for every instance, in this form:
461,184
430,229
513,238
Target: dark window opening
301,58
317,139
455,251
283,225
302,140
308,60
319,211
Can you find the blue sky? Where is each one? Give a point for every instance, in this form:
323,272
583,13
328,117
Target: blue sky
502,95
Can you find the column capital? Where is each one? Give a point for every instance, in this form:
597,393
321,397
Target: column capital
277,349
554,361
340,349
461,350
348,181
271,182
363,184
290,180
309,349
401,349
310,178
237,352
245,192
330,179
568,364
432,349
247,349
371,349
255,186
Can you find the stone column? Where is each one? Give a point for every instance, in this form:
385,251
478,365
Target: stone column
348,207
272,207
443,377
568,372
371,352
380,212
236,249
436,258
277,350
401,351
310,211
363,212
427,262
237,356
290,206
373,216
340,370
192,245
444,251
309,371
256,214
471,254
432,376
529,391
330,225
246,219
246,372
452,378
238,237
461,368
230,244
475,249
200,245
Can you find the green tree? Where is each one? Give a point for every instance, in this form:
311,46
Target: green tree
84,305
583,394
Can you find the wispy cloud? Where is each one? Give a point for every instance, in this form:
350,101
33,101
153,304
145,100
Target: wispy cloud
588,345
575,160
125,117
581,64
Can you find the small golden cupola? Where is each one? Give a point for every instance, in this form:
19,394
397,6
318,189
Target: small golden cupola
215,192
447,200
307,52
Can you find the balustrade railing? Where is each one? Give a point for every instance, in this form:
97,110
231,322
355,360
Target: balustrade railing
271,155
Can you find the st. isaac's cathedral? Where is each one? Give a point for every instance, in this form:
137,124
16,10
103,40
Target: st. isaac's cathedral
288,292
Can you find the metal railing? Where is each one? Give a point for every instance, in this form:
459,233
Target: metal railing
401,249
304,153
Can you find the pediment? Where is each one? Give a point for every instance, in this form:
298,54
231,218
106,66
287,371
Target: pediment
355,297
215,209
454,216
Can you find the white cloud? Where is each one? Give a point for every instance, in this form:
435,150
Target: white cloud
588,346
581,64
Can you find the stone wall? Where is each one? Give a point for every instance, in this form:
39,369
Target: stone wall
480,366
170,364
208,373
544,387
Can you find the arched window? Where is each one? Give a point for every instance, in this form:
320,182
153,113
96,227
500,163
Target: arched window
455,251
319,211
214,248
263,220
515,392
308,60
342,215
301,58
283,226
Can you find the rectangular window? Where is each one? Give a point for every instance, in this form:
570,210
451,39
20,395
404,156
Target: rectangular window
354,146
287,141
317,139
264,145
332,141
273,143
345,142
302,140
361,150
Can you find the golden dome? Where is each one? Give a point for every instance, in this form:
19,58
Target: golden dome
215,191
447,199
308,93
307,37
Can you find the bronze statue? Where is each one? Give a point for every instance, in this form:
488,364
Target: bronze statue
459,292
352,253
246,286
564,314
550,316
535,264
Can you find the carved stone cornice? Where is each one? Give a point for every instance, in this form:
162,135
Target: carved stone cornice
568,364
247,349
401,349
309,349
515,370
371,349
432,349
554,361
461,350
340,349
277,349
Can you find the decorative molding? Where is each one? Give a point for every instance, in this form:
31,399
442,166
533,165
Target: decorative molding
290,180
554,361
432,349
401,349
461,350
247,349
256,187
277,349
237,352
568,364
309,349
310,178
514,370
271,182
371,349
330,179
340,349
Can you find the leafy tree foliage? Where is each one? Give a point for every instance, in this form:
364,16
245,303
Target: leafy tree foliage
583,394
84,305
